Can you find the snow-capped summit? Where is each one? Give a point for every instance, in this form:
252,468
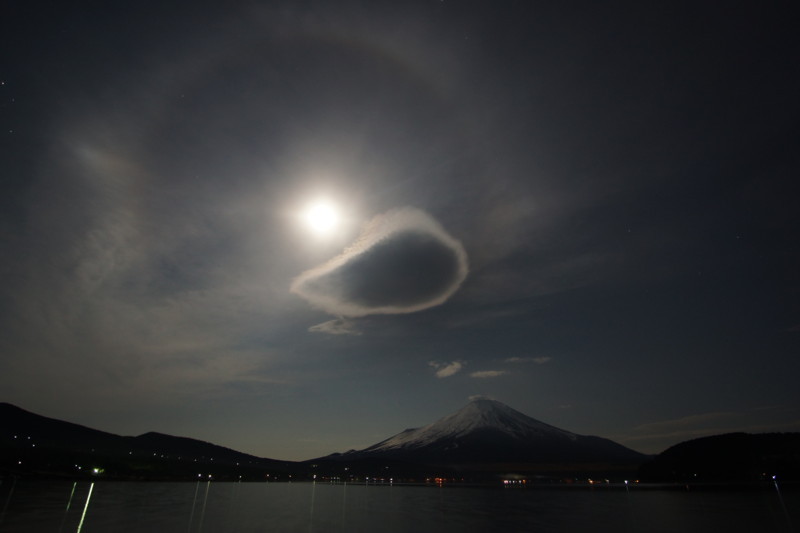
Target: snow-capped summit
488,431
478,415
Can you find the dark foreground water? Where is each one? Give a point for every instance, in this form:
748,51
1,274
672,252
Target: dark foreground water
32,506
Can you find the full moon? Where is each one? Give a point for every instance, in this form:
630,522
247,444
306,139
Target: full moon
321,217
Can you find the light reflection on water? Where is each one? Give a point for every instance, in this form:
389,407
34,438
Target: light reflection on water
194,504
85,507
208,506
203,512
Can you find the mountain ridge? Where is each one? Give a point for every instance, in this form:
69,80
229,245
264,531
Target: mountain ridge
39,445
728,457
47,430
479,442
489,431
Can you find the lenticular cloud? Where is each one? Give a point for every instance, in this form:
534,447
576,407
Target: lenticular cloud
403,261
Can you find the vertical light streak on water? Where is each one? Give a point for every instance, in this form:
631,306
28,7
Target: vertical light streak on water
631,521
232,504
69,502
85,507
344,505
311,514
8,499
783,505
194,503
203,511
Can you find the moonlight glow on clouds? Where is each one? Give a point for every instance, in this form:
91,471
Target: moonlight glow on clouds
403,261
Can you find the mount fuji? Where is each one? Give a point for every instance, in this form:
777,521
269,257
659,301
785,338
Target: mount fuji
487,431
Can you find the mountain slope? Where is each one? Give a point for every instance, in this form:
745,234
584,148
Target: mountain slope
487,431
478,415
19,424
31,441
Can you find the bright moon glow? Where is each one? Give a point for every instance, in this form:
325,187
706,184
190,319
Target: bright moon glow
321,217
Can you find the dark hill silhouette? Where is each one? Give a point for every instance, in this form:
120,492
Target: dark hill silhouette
32,443
733,457
50,432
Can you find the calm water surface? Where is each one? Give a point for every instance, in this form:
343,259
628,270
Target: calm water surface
32,506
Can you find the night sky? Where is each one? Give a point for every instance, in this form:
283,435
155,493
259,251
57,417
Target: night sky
585,210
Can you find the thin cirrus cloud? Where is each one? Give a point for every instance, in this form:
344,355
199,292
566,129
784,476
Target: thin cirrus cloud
445,370
538,360
403,262
483,374
338,326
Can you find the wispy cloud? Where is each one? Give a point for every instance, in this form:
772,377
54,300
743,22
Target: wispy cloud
481,374
339,326
654,437
686,423
444,369
538,360
123,314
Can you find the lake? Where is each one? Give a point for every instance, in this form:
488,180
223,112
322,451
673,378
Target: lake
32,506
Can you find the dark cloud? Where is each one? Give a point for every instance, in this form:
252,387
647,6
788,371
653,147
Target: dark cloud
403,262
406,269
